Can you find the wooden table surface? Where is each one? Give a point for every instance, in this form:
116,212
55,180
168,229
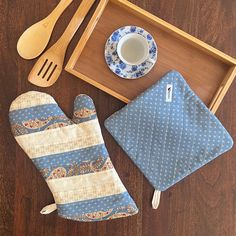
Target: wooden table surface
202,204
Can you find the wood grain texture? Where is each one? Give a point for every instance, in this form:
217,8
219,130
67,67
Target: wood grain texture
49,66
31,43
203,71
202,204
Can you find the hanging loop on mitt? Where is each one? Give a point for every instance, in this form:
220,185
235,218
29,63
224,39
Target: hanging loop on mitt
48,209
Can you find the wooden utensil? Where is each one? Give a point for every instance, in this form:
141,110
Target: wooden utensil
49,66
35,39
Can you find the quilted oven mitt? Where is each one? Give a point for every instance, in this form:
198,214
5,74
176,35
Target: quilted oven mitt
168,132
71,156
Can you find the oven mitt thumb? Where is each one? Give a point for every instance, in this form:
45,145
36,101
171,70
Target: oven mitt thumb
71,156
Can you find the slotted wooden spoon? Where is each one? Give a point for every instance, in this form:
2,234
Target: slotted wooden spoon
35,39
49,66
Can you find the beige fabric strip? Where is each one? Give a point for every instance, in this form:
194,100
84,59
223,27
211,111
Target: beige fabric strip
84,187
31,99
60,140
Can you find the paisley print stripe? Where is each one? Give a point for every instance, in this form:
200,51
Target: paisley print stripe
118,205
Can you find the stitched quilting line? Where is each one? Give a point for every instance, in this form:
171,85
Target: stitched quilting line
191,153
137,140
139,115
153,125
176,162
163,152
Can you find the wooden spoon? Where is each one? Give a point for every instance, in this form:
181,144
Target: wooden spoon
49,66
35,39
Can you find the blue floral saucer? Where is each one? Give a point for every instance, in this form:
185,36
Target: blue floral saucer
117,65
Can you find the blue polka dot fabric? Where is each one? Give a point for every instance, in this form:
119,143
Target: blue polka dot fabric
168,132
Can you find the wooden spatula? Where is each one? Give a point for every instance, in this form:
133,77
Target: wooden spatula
35,39
49,66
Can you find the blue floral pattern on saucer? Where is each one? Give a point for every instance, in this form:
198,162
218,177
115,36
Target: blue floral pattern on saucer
122,69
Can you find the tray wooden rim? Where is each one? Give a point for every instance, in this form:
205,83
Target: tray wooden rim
220,93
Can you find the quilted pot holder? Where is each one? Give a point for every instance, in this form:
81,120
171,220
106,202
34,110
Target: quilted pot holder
72,157
168,132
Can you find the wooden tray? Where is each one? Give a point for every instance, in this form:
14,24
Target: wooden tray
208,71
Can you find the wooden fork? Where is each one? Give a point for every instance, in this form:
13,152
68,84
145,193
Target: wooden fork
49,66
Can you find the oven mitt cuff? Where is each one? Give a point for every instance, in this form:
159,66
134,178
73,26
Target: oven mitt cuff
71,156
168,132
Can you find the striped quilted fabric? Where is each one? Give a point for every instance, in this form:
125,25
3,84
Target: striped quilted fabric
72,157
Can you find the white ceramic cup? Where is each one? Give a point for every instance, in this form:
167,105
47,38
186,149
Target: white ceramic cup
133,49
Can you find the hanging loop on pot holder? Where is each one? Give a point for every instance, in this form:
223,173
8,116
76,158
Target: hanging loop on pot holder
156,199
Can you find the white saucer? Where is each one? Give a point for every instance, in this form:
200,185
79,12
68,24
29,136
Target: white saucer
117,65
